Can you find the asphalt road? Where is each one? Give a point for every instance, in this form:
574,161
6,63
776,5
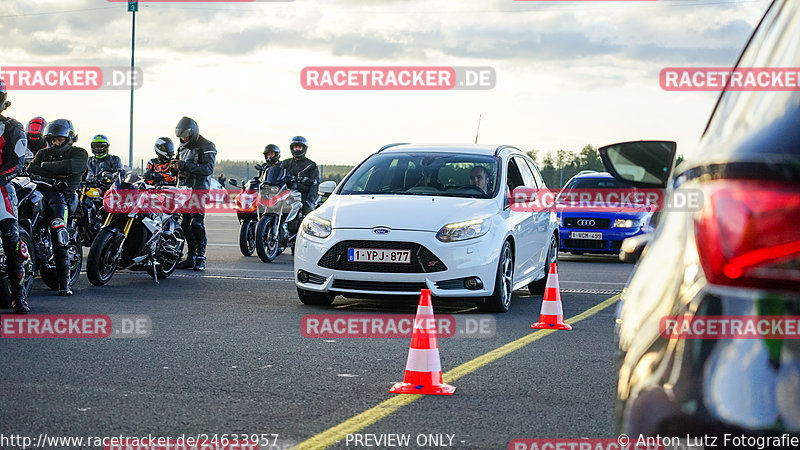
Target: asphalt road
226,355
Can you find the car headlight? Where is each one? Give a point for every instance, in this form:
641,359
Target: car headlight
314,226
625,223
467,229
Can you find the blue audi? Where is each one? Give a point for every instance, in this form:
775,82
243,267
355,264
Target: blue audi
596,212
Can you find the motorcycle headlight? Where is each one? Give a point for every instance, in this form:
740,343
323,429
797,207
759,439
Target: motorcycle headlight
314,226
625,223
460,231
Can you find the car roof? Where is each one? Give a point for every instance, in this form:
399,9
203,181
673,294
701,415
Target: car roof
593,175
476,149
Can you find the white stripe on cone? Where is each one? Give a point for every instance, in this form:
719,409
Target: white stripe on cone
552,281
425,310
423,360
552,309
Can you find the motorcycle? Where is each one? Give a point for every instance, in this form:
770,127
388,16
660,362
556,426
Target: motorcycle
280,202
133,237
247,211
90,215
33,221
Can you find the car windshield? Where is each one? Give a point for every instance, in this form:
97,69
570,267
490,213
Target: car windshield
437,174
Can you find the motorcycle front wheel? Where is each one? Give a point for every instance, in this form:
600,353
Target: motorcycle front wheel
266,240
102,261
167,262
247,237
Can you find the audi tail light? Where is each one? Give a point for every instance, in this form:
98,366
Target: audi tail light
748,234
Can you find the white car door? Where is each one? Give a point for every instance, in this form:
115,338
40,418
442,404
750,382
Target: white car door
524,222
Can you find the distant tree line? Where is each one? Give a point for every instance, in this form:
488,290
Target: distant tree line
558,168
241,169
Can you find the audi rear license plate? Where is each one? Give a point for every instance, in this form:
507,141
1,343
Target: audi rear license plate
585,235
379,255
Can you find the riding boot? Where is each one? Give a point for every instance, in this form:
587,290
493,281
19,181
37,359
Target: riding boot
62,271
18,301
187,263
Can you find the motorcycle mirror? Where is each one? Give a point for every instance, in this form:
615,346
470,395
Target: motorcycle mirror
232,182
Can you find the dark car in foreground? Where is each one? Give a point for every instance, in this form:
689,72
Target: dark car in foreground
735,258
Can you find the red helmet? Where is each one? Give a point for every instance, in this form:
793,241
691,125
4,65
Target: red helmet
35,129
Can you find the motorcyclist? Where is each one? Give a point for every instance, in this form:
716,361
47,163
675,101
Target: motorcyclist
158,169
307,174
101,161
35,134
13,145
65,163
272,157
195,165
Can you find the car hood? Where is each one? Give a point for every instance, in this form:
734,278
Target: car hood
402,212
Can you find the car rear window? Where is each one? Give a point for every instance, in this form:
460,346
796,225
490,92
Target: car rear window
597,183
437,174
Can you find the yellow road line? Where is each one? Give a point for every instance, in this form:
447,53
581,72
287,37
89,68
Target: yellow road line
387,407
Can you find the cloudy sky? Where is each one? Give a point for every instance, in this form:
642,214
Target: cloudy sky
568,73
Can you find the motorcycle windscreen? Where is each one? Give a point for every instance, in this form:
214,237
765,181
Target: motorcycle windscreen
274,176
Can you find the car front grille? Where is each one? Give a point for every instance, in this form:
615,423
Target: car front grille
585,244
586,222
378,286
422,259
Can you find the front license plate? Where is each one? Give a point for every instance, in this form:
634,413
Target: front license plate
585,235
377,255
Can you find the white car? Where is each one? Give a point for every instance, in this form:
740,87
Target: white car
414,217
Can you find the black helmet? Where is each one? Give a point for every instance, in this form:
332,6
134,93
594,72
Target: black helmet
62,128
276,158
298,140
3,94
187,128
164,148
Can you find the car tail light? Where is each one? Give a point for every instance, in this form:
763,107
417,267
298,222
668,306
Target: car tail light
748,234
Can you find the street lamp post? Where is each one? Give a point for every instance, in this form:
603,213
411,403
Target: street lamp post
133,6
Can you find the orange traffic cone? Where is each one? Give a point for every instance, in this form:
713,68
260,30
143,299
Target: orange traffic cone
551,317
423,368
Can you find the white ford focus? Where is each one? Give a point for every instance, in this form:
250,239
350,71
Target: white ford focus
436,217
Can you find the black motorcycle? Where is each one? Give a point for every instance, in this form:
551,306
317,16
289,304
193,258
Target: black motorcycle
247,211
279,203
134,237
89,214
33,221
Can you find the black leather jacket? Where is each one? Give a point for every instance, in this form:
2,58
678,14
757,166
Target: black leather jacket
199,159
68,165
306,168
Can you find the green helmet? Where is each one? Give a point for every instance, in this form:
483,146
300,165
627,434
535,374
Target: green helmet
100,146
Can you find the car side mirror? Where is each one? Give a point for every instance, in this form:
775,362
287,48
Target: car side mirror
643,163
326,187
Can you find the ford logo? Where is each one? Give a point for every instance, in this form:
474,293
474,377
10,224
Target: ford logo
586,223
381,230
